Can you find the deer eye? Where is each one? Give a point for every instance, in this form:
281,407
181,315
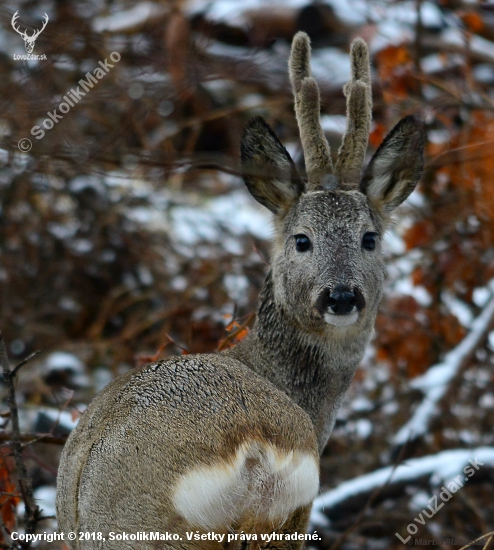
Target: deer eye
369,240
302,243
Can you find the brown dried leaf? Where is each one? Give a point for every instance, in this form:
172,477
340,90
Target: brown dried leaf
9,498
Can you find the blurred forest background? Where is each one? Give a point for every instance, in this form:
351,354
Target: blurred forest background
126,233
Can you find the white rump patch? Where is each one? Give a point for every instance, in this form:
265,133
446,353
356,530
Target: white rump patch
259,480
341,320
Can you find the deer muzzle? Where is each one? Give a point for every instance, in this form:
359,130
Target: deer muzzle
340,306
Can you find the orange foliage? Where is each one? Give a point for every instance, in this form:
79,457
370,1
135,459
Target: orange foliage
75,415
458,265
236,333
377,135
462,213
411,341
447,327
474,173
394,66
406,342
145,359
419,234
9,498
472,20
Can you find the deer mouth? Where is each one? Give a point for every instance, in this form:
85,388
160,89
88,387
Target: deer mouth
341,306
339,320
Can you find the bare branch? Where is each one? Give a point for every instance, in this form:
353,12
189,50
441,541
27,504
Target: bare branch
18,367
483,537
31,510
31,438
436,381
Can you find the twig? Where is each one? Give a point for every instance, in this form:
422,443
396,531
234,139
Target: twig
5,533
436,382
31,509
377,491
18,367
232,335
419,29
31,438
433,162
490,535
185,351
488,543
411,471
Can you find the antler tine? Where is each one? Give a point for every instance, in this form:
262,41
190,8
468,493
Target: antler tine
307,108
299,63
359,115
14,21
45,22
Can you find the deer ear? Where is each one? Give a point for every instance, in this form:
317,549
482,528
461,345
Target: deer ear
267,168
397,165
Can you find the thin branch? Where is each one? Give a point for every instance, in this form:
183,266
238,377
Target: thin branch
234,333
4,532
410,471
31,509
18,367
31,438
433,162
490,535
436,381
370,501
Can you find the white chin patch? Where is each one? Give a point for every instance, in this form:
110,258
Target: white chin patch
341,320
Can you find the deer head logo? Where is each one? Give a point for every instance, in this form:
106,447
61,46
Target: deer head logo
28,40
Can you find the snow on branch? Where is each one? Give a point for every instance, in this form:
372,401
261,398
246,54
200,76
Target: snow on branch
129,20
441,467
435,382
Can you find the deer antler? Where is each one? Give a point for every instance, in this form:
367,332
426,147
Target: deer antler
307,110
307,107
24,33
359,115
37,33
14,19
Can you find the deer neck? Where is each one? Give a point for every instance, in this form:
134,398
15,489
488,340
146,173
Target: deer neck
314,370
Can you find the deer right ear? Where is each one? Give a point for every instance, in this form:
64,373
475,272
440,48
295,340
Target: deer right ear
397,165
268,170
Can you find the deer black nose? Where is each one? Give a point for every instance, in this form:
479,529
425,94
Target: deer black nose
342,300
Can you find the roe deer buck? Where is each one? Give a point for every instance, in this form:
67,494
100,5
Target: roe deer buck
230,442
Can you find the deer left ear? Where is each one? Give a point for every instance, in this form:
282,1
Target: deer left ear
268,170
397,165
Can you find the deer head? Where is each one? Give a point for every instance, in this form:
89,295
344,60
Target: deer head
28,40
327,269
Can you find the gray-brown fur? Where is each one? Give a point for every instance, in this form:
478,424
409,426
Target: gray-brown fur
151,425
280,388
359,115
318,161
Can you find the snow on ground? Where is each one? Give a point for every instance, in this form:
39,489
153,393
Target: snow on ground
441,468
229,10
62,419
236,212
45,499
436,380
61,360
128,19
